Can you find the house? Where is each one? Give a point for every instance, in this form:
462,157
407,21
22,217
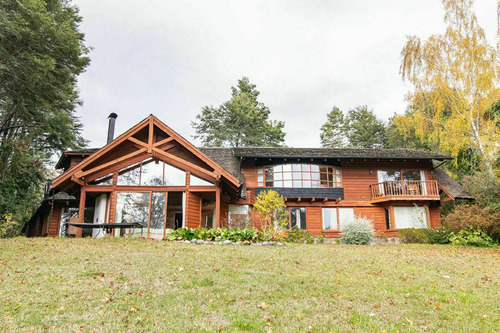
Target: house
152,176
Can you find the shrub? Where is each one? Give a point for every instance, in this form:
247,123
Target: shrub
466,217
426,236
299,236
320,239
9,227
472,237
360,231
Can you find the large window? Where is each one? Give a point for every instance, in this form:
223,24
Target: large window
299,175
336,218
298,218
410,217
151,172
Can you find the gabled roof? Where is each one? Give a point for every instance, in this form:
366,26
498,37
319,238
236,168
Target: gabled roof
148,138
283,152
450,186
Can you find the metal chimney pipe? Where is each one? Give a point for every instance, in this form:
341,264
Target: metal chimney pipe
111,127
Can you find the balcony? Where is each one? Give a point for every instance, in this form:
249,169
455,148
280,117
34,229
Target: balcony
397,190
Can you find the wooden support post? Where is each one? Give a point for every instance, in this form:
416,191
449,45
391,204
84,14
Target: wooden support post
217,205
81,208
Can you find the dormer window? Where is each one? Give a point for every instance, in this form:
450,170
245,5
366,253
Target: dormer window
299,176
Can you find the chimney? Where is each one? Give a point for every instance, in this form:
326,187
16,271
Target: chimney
111,127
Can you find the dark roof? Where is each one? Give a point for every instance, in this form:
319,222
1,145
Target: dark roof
64,160
338,153
451,185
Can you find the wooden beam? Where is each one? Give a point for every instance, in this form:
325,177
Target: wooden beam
162,142
81,206
150,136
76,180
337,200
325,199
299,199
181,161
110,163
139,142
313,199
217,205
116,167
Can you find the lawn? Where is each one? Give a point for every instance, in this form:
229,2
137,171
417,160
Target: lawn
135,285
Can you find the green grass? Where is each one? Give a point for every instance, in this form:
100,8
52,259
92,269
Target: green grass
70,285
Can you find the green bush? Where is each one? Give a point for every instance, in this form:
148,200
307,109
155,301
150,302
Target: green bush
426,236
473,238
467,217
360,231
299,236
320,239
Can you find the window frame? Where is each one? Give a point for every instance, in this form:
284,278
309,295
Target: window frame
337,214
333,175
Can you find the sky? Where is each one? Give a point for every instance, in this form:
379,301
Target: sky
171,58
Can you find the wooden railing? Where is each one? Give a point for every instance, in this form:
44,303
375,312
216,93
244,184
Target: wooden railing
408,188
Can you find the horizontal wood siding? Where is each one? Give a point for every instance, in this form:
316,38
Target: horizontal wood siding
314,220
377,214
435,217
224,212
356,183
54,221
193,210
250,174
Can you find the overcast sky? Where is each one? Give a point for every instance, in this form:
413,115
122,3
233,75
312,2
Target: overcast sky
171,58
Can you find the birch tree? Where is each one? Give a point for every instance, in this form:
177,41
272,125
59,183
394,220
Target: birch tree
455,77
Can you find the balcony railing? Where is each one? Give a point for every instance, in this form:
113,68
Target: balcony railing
401,189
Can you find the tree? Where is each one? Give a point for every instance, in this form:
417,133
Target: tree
333,132
272,209
41,54
242,121
455,77
360,128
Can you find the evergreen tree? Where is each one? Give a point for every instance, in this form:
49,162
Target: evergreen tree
41,54
242,121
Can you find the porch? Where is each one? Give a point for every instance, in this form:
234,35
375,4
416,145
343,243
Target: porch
404,190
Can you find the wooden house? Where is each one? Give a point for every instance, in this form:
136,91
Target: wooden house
152,176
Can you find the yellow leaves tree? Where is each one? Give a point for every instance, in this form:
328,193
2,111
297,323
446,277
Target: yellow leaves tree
456,82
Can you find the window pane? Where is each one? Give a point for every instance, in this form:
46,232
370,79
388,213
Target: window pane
287,167
269,184
411,175
323,169
315,168
269,176
197,181
152,173
329,218
315,176
293,217
296,167
129,175
306,183
278,176
303,219
410,217
104,180
260,178
297,183
297,175
174,176
278,183
306,175
278,168
306,167
260,171
315,184
388,175
157,215
287,183
346,215
131,207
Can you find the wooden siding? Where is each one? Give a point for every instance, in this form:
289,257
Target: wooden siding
356,183
377,214
193,210
53,230
434,217
314,220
